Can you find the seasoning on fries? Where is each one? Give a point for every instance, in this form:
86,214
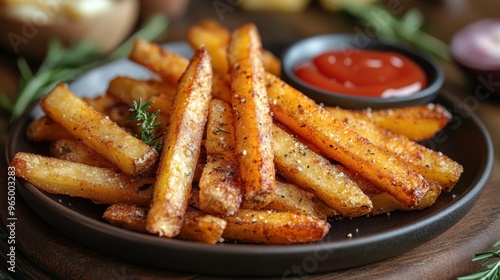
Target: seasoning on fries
245,156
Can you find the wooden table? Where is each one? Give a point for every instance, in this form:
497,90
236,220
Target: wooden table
44,253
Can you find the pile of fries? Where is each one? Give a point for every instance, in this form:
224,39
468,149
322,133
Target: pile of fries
245,157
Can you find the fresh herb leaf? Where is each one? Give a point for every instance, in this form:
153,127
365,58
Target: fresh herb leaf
491,259
407,29
66,63
147,123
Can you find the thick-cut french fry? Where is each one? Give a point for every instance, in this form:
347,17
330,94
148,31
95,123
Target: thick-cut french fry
181,147
271,227
168,65
196,226
339,142
130,90
201,227
272,64
127,90
43,129
300,165
127,216
101,185
108,105
290,197
76,151
220,192
129,154
384,202
102,103
220,129
219,187
419,122
215,38
431,164
221,88
253,122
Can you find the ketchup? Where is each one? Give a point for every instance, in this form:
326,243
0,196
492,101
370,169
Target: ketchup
363,73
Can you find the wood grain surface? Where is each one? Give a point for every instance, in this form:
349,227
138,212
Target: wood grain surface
44,253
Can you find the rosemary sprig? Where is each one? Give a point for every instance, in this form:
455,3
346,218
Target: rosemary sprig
406,29
147,123
66,63
491,259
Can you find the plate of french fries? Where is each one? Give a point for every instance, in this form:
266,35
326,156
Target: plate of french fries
196,156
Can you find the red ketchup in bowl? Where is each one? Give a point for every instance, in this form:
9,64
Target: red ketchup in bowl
365,73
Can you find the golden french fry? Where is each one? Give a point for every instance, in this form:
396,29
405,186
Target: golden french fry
160,93
43,129
220,192
108,105
309,170
129,154
271,227
386,203
128,89
102,103
201,227
196,226
221,88
272,64
290,197
76,151
127,216
171,67
215,38
168,65
339,142
181,148
253,122
216,28
101,185
431,164
419,122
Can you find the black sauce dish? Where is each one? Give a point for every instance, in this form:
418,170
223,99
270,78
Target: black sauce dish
308,48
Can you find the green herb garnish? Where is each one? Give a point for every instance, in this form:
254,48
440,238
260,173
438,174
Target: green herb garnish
147,123
67,63
406,29
491,259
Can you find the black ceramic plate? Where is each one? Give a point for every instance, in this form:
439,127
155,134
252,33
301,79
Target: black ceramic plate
373,238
